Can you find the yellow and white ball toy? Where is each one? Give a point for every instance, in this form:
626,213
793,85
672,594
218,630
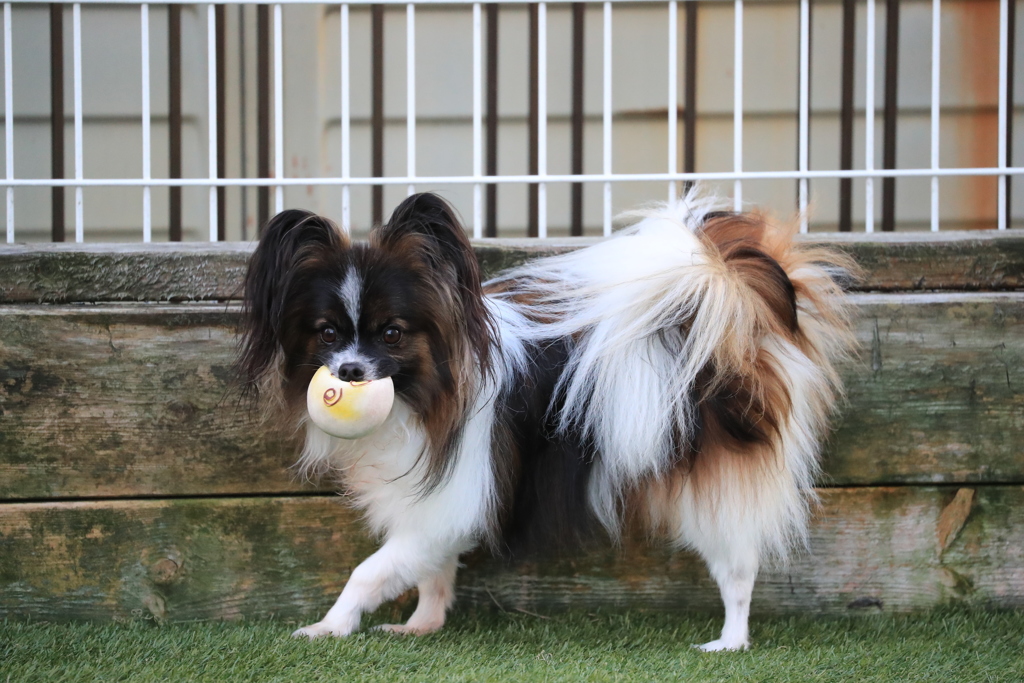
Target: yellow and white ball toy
348,410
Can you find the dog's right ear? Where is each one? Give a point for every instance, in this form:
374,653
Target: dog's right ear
290,240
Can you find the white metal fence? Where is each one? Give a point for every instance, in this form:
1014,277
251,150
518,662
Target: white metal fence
475,177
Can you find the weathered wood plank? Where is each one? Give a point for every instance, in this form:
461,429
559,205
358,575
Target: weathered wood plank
951,261
137,400
875,548
66,273
234,558
185,559
129,400
63,273
936,394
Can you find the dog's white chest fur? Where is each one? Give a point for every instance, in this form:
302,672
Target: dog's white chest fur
383,474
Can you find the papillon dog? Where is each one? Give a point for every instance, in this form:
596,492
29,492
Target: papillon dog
679,375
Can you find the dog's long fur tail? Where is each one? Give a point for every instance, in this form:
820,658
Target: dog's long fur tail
704,350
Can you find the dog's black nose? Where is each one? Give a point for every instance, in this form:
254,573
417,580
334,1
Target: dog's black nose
351,372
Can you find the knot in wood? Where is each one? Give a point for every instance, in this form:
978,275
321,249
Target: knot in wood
164,571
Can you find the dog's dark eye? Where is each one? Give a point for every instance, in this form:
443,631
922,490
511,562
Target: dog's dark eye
392,335
328,335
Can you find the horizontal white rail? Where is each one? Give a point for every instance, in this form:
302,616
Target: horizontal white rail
501,179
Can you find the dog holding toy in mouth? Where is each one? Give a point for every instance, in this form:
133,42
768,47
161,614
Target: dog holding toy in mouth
680,372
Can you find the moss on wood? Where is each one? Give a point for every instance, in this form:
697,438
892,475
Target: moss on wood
64,273
936,393
123,401
289,557
138,400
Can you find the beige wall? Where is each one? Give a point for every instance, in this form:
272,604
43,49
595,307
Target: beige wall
112,108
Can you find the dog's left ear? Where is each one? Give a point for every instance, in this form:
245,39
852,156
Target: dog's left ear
426,227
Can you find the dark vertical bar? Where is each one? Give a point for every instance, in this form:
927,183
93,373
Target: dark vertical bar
810,65
1011,22
578,9
174,115
57,117
262,113
892,55
243,123
221,50
846,116
377,29
491,144
690,95
532,218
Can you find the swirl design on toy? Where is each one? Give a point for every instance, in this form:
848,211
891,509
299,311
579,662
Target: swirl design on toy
332,396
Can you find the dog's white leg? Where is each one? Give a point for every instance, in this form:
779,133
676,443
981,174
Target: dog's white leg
385,575
729,542
437,593
735,580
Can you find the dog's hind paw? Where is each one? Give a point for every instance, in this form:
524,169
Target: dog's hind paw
722,646
319,630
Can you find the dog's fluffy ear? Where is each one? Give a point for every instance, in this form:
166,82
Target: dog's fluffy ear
426,227
292,240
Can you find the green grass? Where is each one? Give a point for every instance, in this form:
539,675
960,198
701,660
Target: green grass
935,647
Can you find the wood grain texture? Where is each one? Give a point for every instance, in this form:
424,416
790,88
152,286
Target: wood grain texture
137,400
182,559
950,261
289,557
126,401
936,393
64,273
873,548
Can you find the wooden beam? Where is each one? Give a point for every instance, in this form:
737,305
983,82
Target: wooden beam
137,400
870,549
64,273
936,393
185,271
112,402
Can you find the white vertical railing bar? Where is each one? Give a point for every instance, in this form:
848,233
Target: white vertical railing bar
1004,32
805,106
278,109
737,105
542,118
9,117
211,96
410,93
346,126
76,31
478,127
869,120
673,103
936,56
607,116
147,170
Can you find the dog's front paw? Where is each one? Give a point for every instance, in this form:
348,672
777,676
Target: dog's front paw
321,629
721,645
